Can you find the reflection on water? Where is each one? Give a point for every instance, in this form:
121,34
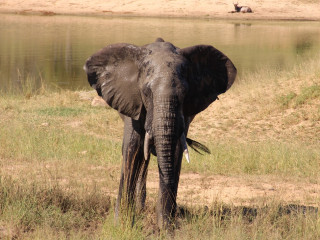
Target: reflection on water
303,45
55,48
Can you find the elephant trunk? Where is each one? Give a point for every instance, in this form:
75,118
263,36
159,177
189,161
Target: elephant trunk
166,137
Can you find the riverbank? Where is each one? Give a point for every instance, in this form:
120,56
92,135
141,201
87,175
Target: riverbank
217,9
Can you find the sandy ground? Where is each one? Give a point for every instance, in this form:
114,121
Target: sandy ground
263,9
194,189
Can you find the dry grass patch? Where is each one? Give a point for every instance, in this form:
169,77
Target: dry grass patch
31,209
265,106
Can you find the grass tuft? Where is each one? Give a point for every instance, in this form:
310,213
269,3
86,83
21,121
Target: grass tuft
306,95
62,111
275,221
26,86
24,208
257,158
285,100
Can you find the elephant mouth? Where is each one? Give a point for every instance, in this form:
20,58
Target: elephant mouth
148,143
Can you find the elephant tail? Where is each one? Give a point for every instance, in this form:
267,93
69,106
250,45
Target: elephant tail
198,147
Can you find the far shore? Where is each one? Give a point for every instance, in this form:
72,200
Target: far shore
209,9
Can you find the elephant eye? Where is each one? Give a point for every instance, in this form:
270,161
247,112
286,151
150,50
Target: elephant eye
184,85
146,90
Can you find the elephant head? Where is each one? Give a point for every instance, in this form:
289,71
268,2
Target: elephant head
158,89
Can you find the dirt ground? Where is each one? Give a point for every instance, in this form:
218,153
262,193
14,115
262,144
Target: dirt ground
262,9
194,189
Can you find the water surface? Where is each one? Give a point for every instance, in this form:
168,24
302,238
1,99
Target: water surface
55,48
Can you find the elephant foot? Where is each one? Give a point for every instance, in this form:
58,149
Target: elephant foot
125,214
166,213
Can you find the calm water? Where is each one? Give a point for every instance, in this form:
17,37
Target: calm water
54,49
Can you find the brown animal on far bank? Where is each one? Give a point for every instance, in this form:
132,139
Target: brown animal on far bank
243,9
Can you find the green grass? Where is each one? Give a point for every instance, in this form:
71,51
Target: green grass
43,144
44,128
306,95
285,100
62,111
56,140
258,159
225,222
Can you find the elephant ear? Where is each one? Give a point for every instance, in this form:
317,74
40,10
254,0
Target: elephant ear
113,72
210,73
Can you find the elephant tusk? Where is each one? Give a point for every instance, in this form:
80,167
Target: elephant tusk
185,147
146,148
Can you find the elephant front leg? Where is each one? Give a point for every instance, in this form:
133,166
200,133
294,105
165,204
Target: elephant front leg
141,189
132,151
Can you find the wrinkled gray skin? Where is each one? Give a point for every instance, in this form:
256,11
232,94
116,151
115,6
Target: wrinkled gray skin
157,89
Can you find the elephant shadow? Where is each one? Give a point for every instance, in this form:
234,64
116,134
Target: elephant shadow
223,213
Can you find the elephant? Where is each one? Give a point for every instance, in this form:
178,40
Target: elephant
157,89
